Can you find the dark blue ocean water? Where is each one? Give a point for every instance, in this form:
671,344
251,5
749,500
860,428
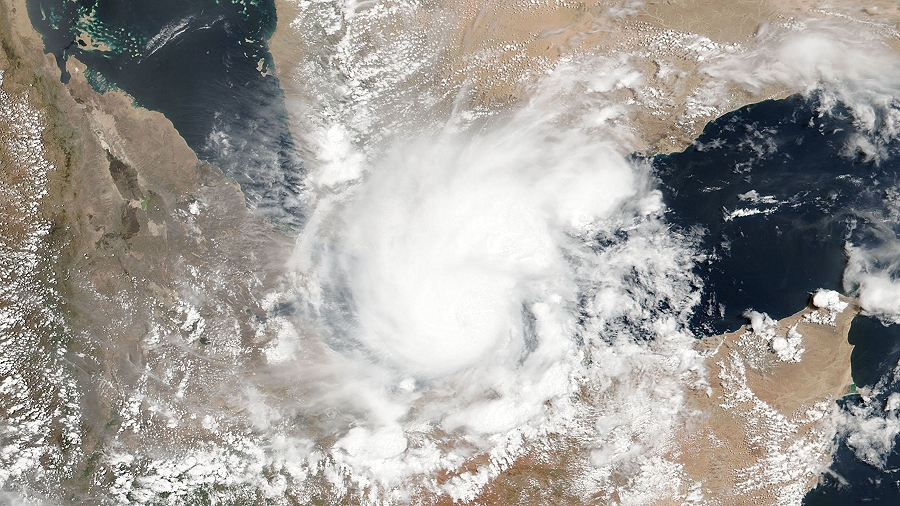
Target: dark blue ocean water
202,64
815,195
877,349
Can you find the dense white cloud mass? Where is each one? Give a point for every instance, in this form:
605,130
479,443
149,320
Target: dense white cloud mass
872,273
484,274
871,426
483,282
454,244
810,55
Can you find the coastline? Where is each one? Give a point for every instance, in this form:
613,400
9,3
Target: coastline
754,429
135,221
768,429
673,45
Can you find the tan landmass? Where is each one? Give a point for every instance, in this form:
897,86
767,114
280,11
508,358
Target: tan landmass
763,433
156,261
494,52
85,40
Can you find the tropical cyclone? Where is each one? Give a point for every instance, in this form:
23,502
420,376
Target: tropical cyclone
759,432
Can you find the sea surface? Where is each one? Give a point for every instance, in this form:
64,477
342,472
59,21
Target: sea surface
205,65
772,185
779,195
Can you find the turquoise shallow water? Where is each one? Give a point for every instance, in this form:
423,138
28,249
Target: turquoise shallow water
202,64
